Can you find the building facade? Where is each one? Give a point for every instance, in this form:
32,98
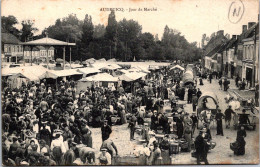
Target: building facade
12,51
38,54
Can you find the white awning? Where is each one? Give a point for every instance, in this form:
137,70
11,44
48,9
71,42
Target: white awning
132,76
60,73
100,77
177,66
33,73
88,70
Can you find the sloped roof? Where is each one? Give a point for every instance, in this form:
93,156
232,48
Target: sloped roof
231,43
132,76
88,70
249,32
60,73
101,77
9,38
215,50
33,73
47,41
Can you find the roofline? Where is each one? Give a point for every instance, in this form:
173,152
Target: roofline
46,44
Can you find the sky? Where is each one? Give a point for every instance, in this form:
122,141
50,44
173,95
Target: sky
191,17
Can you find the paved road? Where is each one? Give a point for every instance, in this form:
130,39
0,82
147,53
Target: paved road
221,154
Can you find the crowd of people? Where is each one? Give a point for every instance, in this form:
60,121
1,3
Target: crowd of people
47,125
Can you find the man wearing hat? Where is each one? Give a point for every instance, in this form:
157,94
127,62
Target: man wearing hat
104,157
219,116
243,118
45,134
201,149
105,130
132,124
13,147
194,119
228,113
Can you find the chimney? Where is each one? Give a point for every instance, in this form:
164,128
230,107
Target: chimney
244,28
238,37
250,24
234,36
220,32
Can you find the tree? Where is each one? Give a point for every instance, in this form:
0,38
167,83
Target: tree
87,35
28,30
66,29
8,24
129,32
99,31
111,32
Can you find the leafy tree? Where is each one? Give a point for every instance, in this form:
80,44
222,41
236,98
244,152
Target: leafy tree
111,32
8,25
87,37
28,30
99,31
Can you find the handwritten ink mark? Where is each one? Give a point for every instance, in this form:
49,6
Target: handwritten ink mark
236,11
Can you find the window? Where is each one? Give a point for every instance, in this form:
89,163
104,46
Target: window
6,48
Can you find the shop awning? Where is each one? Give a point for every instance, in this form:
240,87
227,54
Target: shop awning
132,76
178,67
88,70
54,74
101,77
33,73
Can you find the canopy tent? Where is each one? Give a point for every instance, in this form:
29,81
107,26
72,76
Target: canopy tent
178,67
206,95
88,70
91,60
132,76
141,68
101,77
111,60
54,74
188,78
154,67
111,67
76,66
33,73
102,60
99,65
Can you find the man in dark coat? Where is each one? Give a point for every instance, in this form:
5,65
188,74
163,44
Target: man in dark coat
45,134
219,117
190,91
180,128
199,93
240,140
105,131
201,149
154,120
132,124
194,119
243,118
210,77
228,113
13,148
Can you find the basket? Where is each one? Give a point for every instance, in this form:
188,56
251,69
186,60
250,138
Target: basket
174,148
